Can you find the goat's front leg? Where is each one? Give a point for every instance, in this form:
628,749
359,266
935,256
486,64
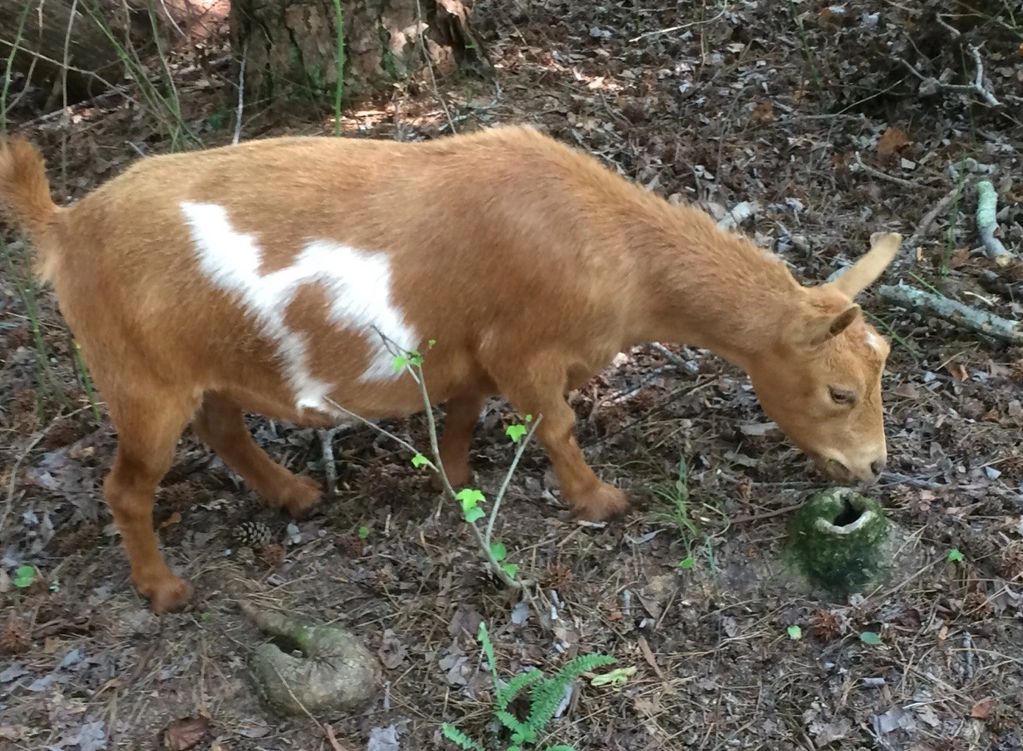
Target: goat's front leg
539,390
221,426
148,431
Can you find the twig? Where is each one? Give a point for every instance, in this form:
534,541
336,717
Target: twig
929,84
939,208
955,312
13,483
241,95
860,166
672,29
429,66
329,465
507,480
987,223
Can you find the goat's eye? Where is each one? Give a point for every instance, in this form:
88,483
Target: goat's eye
842,396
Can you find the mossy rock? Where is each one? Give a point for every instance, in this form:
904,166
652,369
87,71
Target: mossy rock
837,540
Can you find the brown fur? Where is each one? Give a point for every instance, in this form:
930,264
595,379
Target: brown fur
528,262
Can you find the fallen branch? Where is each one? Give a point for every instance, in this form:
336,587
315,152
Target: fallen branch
930,84
961,315
987,209
940,207
859,166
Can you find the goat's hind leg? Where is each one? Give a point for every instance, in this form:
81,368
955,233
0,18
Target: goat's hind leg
221,426
148,426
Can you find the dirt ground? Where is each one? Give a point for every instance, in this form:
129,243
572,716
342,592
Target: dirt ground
821,115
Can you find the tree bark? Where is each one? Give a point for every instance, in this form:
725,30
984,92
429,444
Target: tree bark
291,51
42,29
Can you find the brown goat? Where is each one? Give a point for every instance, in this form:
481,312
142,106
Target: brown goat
265,277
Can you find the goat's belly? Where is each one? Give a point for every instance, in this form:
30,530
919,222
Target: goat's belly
341,401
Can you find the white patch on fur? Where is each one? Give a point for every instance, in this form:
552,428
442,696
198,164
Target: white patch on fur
873,342
358,285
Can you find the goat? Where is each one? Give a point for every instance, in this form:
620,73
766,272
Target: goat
265,276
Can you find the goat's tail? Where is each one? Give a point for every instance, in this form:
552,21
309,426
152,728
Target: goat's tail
25,196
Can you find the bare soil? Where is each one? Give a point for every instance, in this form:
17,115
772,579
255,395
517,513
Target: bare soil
771,103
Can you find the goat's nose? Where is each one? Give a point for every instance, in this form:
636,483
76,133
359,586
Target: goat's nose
877,466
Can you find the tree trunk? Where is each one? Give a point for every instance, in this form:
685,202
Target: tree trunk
47,31
291,50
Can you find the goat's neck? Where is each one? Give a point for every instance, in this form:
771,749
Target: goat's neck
708,288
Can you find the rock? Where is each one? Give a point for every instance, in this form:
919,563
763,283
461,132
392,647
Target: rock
331,670
837,540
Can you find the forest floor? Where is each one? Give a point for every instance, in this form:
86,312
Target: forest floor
774,103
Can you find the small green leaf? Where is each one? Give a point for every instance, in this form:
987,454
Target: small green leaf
795,632
529,418
512,569
470,497
687,563
515,432
871,638
616,677
955,555
474,514
499,551
416,359
205,617
430,344
24,576
399,362
419,461
363,533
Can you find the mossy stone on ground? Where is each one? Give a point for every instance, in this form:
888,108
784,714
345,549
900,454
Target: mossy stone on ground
837,540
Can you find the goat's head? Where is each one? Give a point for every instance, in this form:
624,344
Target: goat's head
820,381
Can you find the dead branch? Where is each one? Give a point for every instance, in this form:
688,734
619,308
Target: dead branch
860,166
987,223
930,84
954,312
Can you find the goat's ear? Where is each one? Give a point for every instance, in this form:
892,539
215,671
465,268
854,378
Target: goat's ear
820,325
863,273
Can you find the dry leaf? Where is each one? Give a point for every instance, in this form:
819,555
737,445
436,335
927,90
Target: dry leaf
982,709
763,112
171,520
958,371
892,141
185,733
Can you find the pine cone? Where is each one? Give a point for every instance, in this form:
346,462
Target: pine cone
271,554
253,534
351,545
16,636
1010,565
825,625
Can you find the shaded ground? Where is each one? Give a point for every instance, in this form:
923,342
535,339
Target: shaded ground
767,103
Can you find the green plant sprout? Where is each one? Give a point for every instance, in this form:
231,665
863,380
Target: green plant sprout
955,556
24,576
676,497
472,501
545,695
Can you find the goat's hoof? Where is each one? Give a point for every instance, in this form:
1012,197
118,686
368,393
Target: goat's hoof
167,593
604,503
298,496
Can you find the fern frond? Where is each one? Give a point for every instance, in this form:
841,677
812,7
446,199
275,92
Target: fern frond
518,727
583,664
459,738
483,637
515,686
559,748
548,695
